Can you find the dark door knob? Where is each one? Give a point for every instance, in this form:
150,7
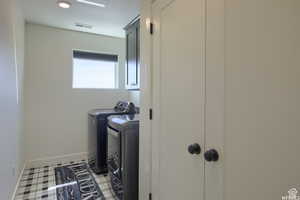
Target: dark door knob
194,149
211,155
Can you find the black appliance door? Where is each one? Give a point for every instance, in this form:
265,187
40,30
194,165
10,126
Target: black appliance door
114,160
92,140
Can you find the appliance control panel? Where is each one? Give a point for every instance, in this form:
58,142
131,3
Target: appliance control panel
126,107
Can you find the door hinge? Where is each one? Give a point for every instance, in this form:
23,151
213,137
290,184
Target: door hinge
150,196
151,28
150,114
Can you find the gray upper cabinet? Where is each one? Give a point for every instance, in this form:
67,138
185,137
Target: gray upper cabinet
133,55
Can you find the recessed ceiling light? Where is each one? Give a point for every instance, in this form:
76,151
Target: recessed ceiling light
64,4
92,3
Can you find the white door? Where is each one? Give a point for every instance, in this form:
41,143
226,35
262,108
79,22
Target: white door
179,99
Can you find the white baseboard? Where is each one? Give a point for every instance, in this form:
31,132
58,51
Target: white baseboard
57,159
18,182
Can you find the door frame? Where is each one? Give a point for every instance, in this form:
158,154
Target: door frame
215,97
145,140
214,108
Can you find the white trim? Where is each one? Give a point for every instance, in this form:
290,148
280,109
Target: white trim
50,160
145,150
156,107
215,96
18,183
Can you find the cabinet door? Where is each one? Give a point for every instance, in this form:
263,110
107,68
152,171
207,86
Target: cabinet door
132,38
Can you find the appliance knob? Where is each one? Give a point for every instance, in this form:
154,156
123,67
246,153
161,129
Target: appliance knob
194,149
211,155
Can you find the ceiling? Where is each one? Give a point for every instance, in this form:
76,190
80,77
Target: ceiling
105,21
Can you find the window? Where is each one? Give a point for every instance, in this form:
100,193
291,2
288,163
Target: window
94,70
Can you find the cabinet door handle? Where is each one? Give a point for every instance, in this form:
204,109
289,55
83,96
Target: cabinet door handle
211,155
194,149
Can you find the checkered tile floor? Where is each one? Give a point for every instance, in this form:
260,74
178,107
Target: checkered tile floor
39,183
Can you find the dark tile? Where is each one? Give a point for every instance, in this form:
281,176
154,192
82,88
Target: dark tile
44,196
45,188
26,192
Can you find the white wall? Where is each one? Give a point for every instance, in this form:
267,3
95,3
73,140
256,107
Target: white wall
56,114
19,32
11,64
262,113
134,96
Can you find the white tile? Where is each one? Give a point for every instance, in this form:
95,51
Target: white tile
37,185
